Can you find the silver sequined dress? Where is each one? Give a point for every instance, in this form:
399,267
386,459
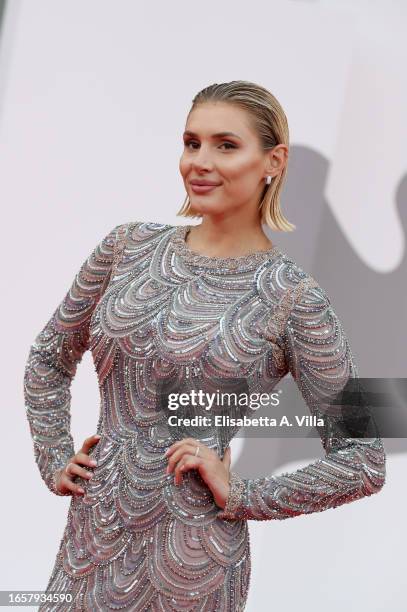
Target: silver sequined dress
150,310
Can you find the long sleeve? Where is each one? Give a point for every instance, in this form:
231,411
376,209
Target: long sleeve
53,358
320,360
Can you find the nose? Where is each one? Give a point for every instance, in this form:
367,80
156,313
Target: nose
202,160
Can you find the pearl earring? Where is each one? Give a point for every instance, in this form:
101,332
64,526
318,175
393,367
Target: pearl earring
268,179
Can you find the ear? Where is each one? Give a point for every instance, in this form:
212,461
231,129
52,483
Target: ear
276,159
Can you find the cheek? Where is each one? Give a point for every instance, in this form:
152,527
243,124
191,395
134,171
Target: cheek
182,165
242,170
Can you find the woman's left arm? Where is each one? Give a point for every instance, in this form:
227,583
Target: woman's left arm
320,360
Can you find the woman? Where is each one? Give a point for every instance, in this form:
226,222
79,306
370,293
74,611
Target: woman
157,520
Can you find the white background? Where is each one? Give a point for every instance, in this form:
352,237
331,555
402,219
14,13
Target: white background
93,102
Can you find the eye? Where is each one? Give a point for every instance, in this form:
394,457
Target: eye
188,142
230,145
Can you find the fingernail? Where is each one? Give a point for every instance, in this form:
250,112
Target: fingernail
93,462
167,451
97,436
89,474
81,491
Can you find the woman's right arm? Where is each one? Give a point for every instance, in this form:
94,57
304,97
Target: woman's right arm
53,358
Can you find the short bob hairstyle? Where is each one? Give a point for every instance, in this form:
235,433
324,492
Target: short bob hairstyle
269,121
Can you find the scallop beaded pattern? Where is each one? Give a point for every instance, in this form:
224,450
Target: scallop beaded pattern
155,313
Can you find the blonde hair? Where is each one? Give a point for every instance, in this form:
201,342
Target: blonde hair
270,122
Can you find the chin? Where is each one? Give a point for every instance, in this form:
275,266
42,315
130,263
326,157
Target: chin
206,210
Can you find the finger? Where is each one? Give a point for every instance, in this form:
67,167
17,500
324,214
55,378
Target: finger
73,469
178,443
227,458
188,448
85,459
186,463
176,456
89,442
66,482
58,482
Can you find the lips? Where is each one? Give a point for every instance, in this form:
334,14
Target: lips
203,188
204,183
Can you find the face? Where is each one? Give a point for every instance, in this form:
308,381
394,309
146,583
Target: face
234,162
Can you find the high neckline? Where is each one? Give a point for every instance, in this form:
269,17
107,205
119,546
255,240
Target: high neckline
178,240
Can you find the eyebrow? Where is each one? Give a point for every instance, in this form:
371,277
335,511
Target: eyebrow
217,135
